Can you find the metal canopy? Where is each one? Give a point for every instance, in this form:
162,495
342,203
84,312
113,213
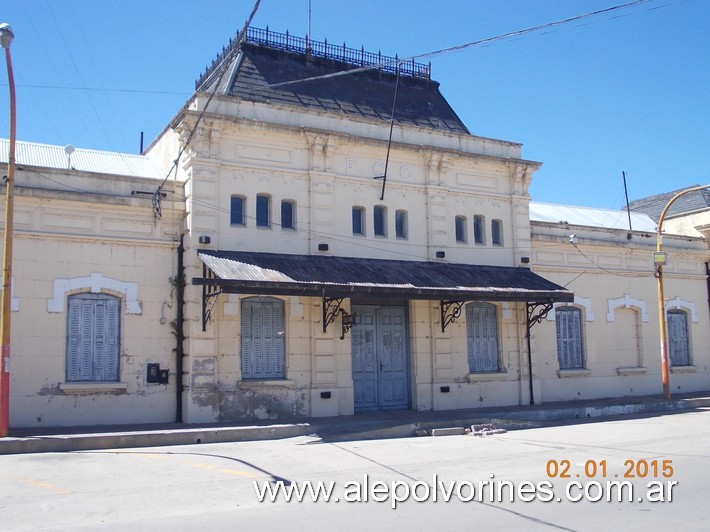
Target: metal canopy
340,277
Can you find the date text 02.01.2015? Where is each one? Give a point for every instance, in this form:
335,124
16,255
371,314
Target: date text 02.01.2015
631,468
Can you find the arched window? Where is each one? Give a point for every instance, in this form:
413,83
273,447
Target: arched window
359,221
93,338
460,225
400,224
678,341
380,219
262,338
288,214
570,348
237,210
263,210
479,229
482,338
496,232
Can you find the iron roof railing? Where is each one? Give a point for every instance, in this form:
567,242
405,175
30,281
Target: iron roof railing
306,46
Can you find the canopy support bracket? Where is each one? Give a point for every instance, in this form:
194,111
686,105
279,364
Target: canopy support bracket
450,311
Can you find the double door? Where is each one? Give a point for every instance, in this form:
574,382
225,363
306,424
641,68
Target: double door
380,358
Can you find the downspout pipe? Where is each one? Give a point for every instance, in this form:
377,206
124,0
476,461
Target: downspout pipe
179,330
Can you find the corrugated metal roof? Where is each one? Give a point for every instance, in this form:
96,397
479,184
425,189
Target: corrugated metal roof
83,160
604,218
315,275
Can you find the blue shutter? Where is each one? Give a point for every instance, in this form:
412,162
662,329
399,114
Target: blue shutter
678,347
112,335
482,337
93,338
73,371
263,348
570,354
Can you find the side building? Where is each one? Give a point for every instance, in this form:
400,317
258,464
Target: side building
94,296
606,343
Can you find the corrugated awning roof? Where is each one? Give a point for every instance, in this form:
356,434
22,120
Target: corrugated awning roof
82,160
605,218
314,275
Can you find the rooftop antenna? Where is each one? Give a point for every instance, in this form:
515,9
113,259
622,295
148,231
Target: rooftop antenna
69,149
628,209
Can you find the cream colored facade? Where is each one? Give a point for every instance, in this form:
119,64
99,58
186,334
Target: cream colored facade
325,167
110,231
325,171
89,232
611,272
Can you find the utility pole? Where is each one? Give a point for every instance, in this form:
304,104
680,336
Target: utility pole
659,259
6,37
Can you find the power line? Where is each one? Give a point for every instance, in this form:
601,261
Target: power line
464,46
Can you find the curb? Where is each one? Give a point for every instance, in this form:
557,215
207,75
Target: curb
329,432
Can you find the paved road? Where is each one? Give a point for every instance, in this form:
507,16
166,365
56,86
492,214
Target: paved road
212,486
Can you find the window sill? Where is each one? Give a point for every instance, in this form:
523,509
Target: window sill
487,377
573,373
79,388
286,383
631,371
683,369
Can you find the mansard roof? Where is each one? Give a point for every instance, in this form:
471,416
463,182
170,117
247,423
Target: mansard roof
274,68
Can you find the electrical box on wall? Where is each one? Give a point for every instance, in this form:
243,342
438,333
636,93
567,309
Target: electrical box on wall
156,375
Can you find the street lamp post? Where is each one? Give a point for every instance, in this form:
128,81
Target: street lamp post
6,37
659,260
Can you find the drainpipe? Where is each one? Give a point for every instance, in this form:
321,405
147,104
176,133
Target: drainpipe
707,270
179,330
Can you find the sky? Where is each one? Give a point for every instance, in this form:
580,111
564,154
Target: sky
622,91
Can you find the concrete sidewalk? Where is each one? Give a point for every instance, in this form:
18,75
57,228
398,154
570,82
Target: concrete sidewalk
395,424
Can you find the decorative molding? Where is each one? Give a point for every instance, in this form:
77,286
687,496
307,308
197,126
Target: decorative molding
585,302
96,283
678,303
627,302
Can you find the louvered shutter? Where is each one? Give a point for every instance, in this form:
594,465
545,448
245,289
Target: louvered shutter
93,338
111,339
279,340
569,338
678,338
247,342
263,348
73,365
482,337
